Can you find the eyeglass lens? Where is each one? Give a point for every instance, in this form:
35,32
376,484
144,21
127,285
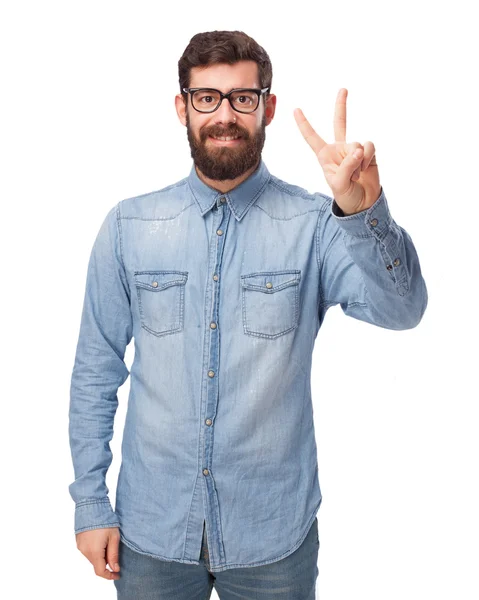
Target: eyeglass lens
207,100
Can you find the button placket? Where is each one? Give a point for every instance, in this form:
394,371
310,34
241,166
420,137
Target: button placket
221,216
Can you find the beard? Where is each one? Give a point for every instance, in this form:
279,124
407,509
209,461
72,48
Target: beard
227,162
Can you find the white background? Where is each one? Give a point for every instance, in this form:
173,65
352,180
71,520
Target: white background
88,118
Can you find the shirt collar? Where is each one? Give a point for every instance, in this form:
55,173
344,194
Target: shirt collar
240,198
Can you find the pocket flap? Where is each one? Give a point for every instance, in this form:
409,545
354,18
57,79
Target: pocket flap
270,281
159,280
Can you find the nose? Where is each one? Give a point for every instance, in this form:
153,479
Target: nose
225,114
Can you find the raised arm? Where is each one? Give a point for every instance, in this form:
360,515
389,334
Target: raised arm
369,265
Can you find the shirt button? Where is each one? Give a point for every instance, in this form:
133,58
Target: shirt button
205,471
211,373
269,284
215,277
396,262
374,222
219,231
389,267
155,284
222,199
208,421
213,325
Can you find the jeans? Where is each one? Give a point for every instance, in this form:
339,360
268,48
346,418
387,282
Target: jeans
291,578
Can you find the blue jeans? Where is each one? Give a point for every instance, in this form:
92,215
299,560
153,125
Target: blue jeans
292,578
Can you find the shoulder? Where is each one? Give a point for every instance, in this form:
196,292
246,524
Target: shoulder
156,204
288,198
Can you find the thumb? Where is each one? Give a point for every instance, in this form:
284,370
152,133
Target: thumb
351,163
112,552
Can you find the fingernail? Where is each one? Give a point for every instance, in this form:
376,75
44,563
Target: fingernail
117,567
357,154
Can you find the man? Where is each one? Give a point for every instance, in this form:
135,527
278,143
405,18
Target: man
224,279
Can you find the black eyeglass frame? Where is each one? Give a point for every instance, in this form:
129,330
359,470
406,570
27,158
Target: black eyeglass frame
258,91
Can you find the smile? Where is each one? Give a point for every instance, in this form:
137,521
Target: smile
225,141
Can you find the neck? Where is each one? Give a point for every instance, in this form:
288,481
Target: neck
228,184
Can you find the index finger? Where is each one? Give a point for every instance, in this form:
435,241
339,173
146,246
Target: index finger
340,116
314,140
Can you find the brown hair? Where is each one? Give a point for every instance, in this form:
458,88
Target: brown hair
214,47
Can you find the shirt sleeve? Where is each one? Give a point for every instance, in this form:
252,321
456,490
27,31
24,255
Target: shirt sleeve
98,371
368,264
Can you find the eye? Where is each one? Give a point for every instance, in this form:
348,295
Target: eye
205,97
244,99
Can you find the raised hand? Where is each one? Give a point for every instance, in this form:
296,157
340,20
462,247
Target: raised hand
350,169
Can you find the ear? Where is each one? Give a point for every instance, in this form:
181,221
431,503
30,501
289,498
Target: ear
180,108
270,108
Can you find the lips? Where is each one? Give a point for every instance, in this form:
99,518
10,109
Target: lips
225,143
227,134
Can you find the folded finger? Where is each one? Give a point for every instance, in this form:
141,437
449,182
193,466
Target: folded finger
350,164
369,152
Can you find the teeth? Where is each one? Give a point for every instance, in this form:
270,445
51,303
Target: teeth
225,139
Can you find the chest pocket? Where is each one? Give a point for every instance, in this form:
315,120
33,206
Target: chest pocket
270,302
161,300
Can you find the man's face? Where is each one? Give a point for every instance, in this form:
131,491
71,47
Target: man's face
226,160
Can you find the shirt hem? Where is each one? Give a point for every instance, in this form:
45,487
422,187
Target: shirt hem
223,567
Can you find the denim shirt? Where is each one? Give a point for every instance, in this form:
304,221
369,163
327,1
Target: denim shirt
224,294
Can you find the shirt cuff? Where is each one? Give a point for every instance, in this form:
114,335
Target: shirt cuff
373,221
94,514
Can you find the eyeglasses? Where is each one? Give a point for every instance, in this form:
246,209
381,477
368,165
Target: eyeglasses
243,100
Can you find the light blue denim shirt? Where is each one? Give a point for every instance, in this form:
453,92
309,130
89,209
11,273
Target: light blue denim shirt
224,295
